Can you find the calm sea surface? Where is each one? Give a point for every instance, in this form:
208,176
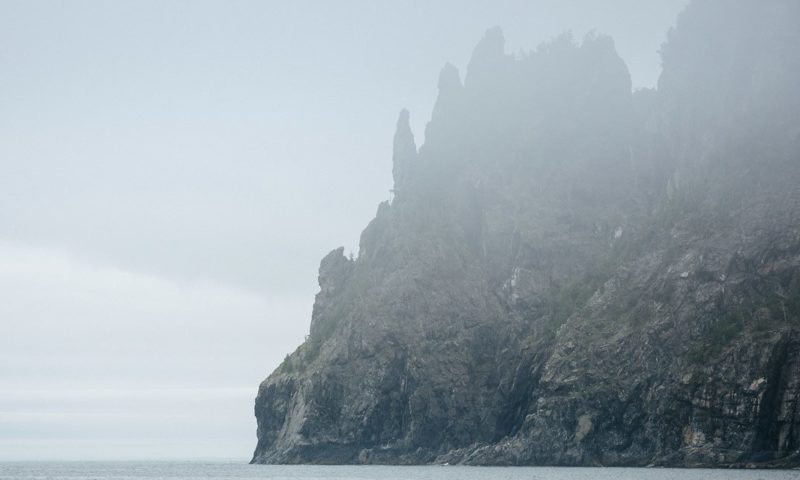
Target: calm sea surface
206,471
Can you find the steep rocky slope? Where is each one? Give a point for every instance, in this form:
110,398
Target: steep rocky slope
570,273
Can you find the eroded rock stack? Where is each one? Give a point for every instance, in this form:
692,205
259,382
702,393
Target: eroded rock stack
570,273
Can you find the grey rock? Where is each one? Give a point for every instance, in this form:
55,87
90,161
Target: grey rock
571,274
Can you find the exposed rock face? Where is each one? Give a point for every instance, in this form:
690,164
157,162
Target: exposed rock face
570,274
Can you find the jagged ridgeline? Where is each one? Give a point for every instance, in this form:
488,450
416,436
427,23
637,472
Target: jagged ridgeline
570,273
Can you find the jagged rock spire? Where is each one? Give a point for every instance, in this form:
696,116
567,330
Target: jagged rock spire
334,270
449,79
449,90
447,104
405,151
487,59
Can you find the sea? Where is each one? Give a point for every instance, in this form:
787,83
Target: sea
209,471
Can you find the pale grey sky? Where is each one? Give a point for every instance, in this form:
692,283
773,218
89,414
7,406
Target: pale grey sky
171,173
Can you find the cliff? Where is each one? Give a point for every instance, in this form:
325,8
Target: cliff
570,273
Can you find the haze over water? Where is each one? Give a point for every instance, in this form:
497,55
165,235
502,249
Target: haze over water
186,471
171,174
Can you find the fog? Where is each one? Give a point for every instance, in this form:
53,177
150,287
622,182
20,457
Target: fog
171,173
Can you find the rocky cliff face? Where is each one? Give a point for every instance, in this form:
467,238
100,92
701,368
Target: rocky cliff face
572,274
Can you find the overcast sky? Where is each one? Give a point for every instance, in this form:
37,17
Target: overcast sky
171,173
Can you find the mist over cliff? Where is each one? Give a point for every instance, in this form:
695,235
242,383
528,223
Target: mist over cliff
569,272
